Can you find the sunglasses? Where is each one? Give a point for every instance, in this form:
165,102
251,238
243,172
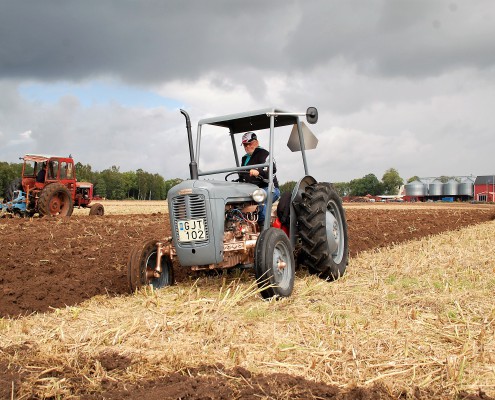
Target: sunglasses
248,143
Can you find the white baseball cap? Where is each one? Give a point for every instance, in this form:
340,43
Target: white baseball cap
249,137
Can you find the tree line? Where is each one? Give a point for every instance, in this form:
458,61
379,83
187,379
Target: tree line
369,184
109,183
8,172
141,185
115,185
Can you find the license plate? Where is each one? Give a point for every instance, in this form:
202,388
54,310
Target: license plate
191,230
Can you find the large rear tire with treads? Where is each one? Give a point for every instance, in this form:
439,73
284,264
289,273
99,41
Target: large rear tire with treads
323,231
56,201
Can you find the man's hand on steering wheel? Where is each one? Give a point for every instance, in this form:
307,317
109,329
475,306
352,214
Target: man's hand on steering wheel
242,176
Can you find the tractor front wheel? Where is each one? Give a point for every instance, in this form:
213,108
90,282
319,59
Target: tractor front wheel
274,264
56,201
141,267
96,209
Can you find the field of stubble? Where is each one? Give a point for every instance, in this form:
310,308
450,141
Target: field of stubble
413,317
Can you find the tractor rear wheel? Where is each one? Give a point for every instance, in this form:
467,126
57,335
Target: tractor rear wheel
16,184
96,209
274,264
141,267
56,201
323,232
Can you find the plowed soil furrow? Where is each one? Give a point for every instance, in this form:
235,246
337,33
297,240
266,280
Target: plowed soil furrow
49,263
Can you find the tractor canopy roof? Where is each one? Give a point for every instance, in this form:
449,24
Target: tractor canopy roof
250,120
301,138
41,157
84,185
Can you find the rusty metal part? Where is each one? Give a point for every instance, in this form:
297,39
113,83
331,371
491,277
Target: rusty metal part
281,264
203,267
228,236
158,268
162,249
28,189
250,209
150,274
235,253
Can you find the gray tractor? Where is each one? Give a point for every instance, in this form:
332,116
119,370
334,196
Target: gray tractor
214,221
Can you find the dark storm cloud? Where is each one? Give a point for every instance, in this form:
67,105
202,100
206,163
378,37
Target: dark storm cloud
397,38
137,41
152,41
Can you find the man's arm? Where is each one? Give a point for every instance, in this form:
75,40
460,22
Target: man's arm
263,172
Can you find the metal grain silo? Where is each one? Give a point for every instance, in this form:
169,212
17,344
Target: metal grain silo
435,188
415,188
466,187
451,188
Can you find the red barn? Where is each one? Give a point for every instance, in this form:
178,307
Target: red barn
484,188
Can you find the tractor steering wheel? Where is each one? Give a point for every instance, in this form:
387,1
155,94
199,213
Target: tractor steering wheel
239,173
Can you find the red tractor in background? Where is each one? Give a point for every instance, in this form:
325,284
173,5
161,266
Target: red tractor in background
85,195
48,187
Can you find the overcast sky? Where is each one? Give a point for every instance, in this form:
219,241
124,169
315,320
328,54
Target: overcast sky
398,84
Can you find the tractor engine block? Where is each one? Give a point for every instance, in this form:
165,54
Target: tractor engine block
240,221
240,234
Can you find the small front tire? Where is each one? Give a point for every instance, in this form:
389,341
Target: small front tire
141,267
97,209
274,264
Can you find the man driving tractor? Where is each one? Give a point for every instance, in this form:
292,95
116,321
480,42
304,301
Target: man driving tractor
255,154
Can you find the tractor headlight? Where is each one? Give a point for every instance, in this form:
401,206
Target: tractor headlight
259,195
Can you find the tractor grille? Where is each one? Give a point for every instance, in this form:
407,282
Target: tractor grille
187,207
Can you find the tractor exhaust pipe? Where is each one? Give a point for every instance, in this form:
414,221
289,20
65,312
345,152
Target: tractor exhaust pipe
193,166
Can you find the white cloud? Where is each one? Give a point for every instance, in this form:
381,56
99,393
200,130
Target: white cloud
26,135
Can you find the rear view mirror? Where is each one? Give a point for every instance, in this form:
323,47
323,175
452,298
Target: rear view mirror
312,115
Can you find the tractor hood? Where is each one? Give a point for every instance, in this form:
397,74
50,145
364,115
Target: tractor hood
228,191
84,185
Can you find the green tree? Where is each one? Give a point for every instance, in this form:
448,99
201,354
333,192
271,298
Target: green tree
342,188
142,184
288,186
114,183
157,187
129,182
101,187
413,178
8,172
391,181
84,173
369,184
170,183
